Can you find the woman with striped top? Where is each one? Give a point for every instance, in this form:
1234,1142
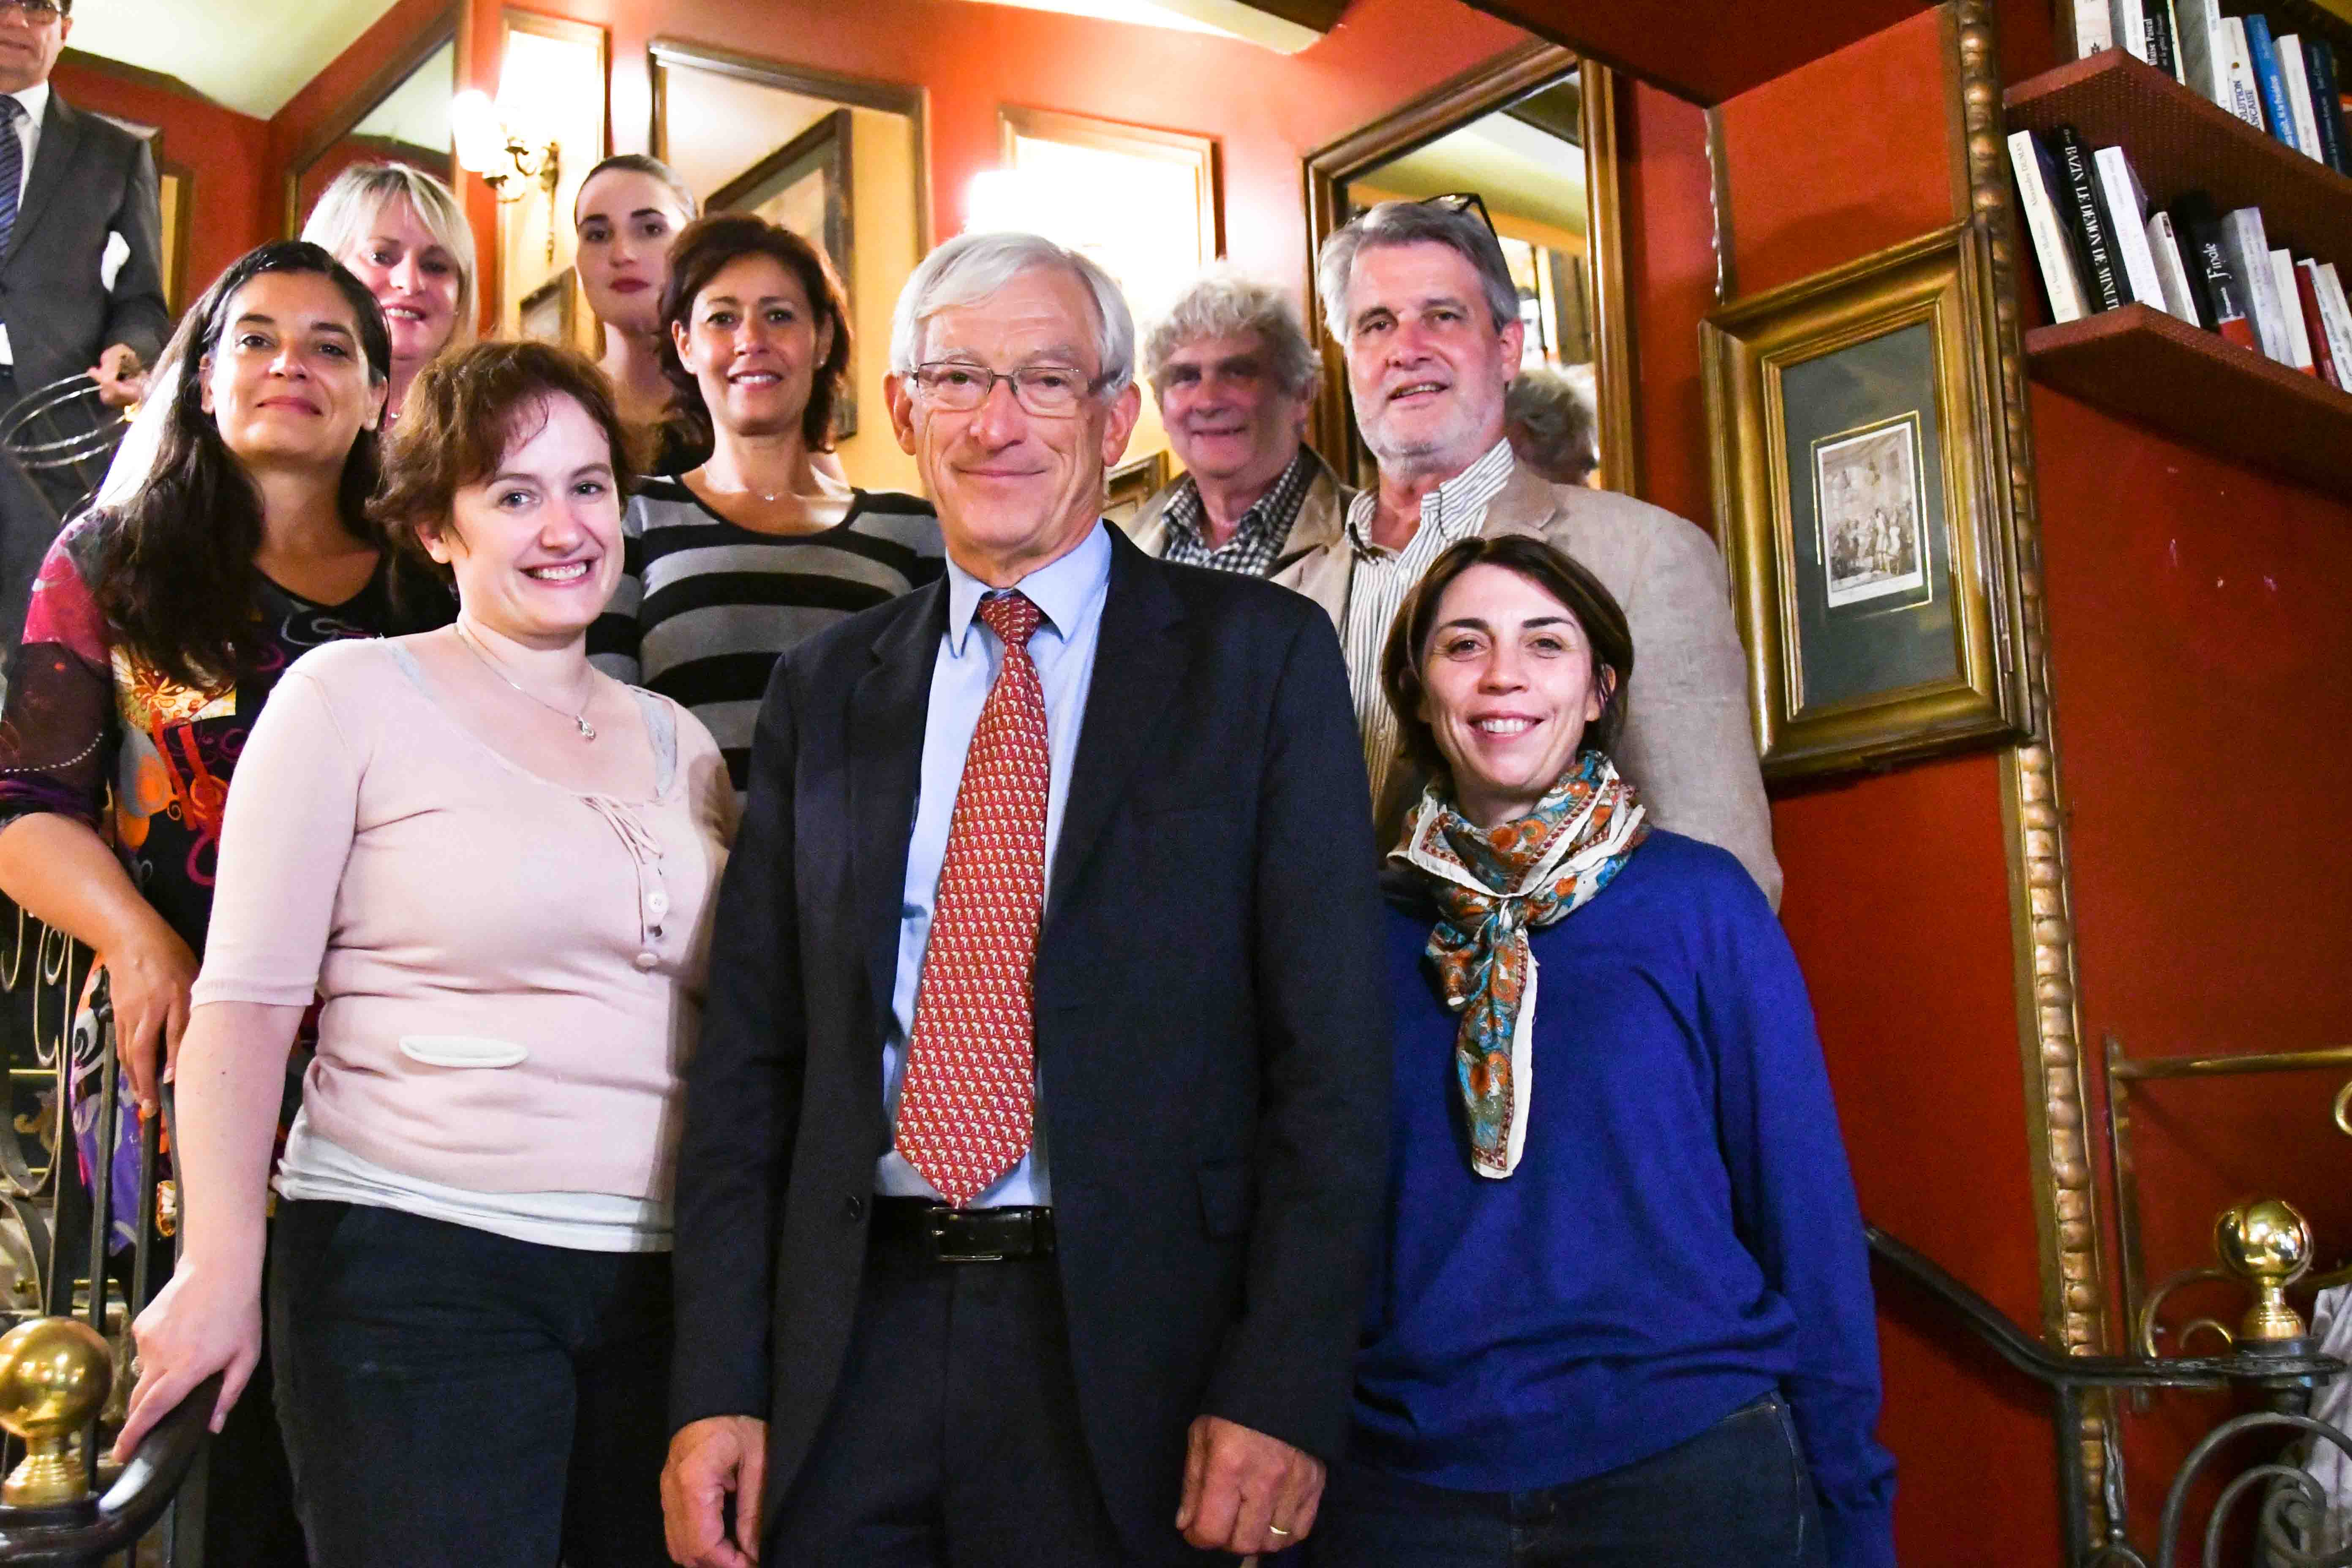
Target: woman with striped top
730,565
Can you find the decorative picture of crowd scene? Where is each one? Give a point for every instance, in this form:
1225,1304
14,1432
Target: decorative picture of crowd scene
1869,501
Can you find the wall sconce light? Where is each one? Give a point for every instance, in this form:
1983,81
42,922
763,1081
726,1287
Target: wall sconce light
498,144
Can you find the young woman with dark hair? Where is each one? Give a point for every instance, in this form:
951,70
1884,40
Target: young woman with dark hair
491,866
158,628
757,347
1621,1311
630,211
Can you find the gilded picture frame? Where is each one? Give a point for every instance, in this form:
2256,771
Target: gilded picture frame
1860,489
1127,487
551,312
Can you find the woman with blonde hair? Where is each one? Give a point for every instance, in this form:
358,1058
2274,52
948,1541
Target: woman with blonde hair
404,234
401,233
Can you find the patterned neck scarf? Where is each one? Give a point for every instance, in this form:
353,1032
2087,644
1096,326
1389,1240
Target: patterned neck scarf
1493,886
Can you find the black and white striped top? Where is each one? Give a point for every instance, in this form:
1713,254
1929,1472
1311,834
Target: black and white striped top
706,606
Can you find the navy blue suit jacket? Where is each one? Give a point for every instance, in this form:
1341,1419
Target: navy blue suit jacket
1211,1034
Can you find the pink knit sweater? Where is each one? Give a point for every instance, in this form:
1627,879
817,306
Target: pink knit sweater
512,971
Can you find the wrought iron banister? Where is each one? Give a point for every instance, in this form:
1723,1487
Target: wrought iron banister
2285,1372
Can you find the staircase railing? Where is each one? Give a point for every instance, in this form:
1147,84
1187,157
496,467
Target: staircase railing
2265,1245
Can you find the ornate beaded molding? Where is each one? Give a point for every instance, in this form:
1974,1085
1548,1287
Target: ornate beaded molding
2074,1284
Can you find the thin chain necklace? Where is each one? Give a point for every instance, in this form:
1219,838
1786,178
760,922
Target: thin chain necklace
587,731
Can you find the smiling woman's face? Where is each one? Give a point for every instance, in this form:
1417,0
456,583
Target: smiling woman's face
754,343
536,547
1508,687
413,277
287,382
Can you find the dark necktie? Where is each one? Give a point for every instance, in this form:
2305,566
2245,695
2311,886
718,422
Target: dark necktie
12,167
968,1111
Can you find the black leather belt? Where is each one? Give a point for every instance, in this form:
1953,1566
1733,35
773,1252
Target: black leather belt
948,1234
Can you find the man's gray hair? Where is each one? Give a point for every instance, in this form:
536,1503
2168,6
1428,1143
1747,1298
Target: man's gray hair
972,267
1225,303
1415,222
1549,415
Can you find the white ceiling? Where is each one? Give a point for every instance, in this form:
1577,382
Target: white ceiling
251,55
1516,168
255,54
1225,18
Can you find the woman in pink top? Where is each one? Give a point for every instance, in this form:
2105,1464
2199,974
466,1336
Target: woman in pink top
491,864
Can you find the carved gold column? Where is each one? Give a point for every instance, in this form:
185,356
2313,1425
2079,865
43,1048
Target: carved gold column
2066,1207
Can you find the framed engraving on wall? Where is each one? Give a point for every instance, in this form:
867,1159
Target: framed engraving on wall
1863,498
551,312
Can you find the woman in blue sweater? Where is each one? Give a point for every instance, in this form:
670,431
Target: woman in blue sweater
1622,1314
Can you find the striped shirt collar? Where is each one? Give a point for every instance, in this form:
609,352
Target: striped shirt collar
1260,535
1452,510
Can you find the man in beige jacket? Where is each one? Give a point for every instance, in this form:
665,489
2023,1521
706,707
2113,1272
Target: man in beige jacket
1419,295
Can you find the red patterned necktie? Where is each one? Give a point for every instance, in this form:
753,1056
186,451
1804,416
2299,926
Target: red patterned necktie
967,1110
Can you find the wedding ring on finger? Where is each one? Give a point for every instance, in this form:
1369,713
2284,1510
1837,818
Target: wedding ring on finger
1277,1529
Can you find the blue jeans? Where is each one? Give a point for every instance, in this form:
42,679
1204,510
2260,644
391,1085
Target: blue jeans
451,1398
1738,1495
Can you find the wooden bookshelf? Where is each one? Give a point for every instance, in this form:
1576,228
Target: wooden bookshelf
2178,143
2138,362
2200,387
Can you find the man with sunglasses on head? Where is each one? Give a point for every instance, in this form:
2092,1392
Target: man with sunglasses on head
1421,298
81,287
1033,1142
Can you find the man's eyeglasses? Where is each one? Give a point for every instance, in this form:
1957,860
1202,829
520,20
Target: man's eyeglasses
1047,391
1464,202
36,12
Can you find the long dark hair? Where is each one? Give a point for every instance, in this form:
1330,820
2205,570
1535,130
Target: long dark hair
706,247
178,582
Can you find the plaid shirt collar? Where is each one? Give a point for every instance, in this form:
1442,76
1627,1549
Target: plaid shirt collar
1265,527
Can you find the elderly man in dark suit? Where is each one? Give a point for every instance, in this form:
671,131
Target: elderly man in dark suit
1035,1134
81,285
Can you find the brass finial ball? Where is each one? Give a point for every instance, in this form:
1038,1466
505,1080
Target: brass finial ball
55,1374
2264,1237
2267,1244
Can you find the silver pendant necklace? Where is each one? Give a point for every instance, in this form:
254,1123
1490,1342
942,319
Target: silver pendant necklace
587,731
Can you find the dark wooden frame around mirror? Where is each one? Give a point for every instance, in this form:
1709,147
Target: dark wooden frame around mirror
1503,80
362,104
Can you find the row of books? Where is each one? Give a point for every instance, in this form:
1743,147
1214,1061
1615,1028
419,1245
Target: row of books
2100,248
2285,84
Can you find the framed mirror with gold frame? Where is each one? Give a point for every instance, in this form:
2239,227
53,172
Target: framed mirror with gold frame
1534,132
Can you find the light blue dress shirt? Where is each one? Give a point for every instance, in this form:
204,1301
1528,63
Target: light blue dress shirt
1069,593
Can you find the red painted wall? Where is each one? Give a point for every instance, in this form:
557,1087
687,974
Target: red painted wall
2200,652
227,152
1898,900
